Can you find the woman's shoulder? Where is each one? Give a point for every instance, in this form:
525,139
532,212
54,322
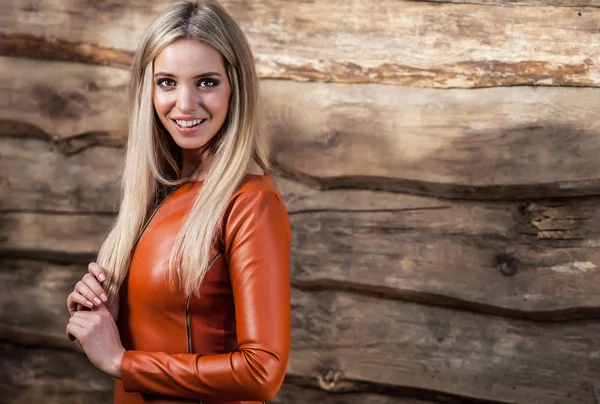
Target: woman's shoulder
257,183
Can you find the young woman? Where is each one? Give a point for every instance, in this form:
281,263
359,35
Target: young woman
190,298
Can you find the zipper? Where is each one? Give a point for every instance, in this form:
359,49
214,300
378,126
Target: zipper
188,324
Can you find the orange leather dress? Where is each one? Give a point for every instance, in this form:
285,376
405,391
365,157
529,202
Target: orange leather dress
231,345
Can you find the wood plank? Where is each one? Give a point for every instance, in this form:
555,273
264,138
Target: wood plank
33,314
504,3
57,236
504,258
45,376
35,176
410,347
37,375
423,44
351,338
73,105
502,143
295,394
33,301
490,258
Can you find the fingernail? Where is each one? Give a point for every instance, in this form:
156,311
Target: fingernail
104,297
90,304
101,277
98,302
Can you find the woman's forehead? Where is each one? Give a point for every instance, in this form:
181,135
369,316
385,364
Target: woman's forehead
188,58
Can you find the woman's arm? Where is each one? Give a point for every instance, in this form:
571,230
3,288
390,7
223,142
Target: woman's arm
257,247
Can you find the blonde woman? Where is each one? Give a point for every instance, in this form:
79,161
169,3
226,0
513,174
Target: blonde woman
190,298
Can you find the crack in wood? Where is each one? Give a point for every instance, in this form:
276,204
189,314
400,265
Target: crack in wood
396,391
49,48
522,3
57,257
68,146
516,192
563,315
57,212
398,210
36,339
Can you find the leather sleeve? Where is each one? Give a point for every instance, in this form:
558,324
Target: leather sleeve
257,240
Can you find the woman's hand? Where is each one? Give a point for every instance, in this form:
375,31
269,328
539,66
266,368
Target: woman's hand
99,337
88,290
89,293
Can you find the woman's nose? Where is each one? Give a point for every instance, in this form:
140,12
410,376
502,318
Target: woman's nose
187,99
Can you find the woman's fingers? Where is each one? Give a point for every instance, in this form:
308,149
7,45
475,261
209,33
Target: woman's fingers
93,279
75,299
92,283
97,271
74,331
82,288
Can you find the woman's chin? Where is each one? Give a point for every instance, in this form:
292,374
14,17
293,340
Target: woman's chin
187,144
191,142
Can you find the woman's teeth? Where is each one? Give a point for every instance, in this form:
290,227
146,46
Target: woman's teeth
189,124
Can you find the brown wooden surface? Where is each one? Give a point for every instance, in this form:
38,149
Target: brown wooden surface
35,176
359,338
396,298
560,3
31,375
506,258
38,375
294,394
502,143
531,259
342,341
66,101
410,43
491,143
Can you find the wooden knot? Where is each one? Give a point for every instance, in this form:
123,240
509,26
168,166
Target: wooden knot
506,264
330,379
331,137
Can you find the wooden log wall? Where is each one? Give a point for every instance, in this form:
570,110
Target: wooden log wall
439,162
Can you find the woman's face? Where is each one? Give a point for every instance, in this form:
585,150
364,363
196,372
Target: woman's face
191,92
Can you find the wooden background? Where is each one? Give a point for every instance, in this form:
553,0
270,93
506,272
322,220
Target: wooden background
439,161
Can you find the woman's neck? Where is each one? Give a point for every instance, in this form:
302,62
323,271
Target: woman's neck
195,164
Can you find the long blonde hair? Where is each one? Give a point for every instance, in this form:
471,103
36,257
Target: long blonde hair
151,161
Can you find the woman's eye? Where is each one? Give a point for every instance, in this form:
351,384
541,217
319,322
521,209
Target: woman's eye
208,83
164,83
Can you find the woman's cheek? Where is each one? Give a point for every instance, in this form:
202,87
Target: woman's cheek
160,103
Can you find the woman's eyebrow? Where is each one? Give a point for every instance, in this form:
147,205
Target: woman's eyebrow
207,74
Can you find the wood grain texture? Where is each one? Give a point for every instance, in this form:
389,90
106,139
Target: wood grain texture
38,375
532,259
33,316
296,394
502,143
341,346
42,375
36,176
510,259
345,338
56,236
409,43
557,3
72,105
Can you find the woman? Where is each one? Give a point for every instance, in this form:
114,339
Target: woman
190,298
